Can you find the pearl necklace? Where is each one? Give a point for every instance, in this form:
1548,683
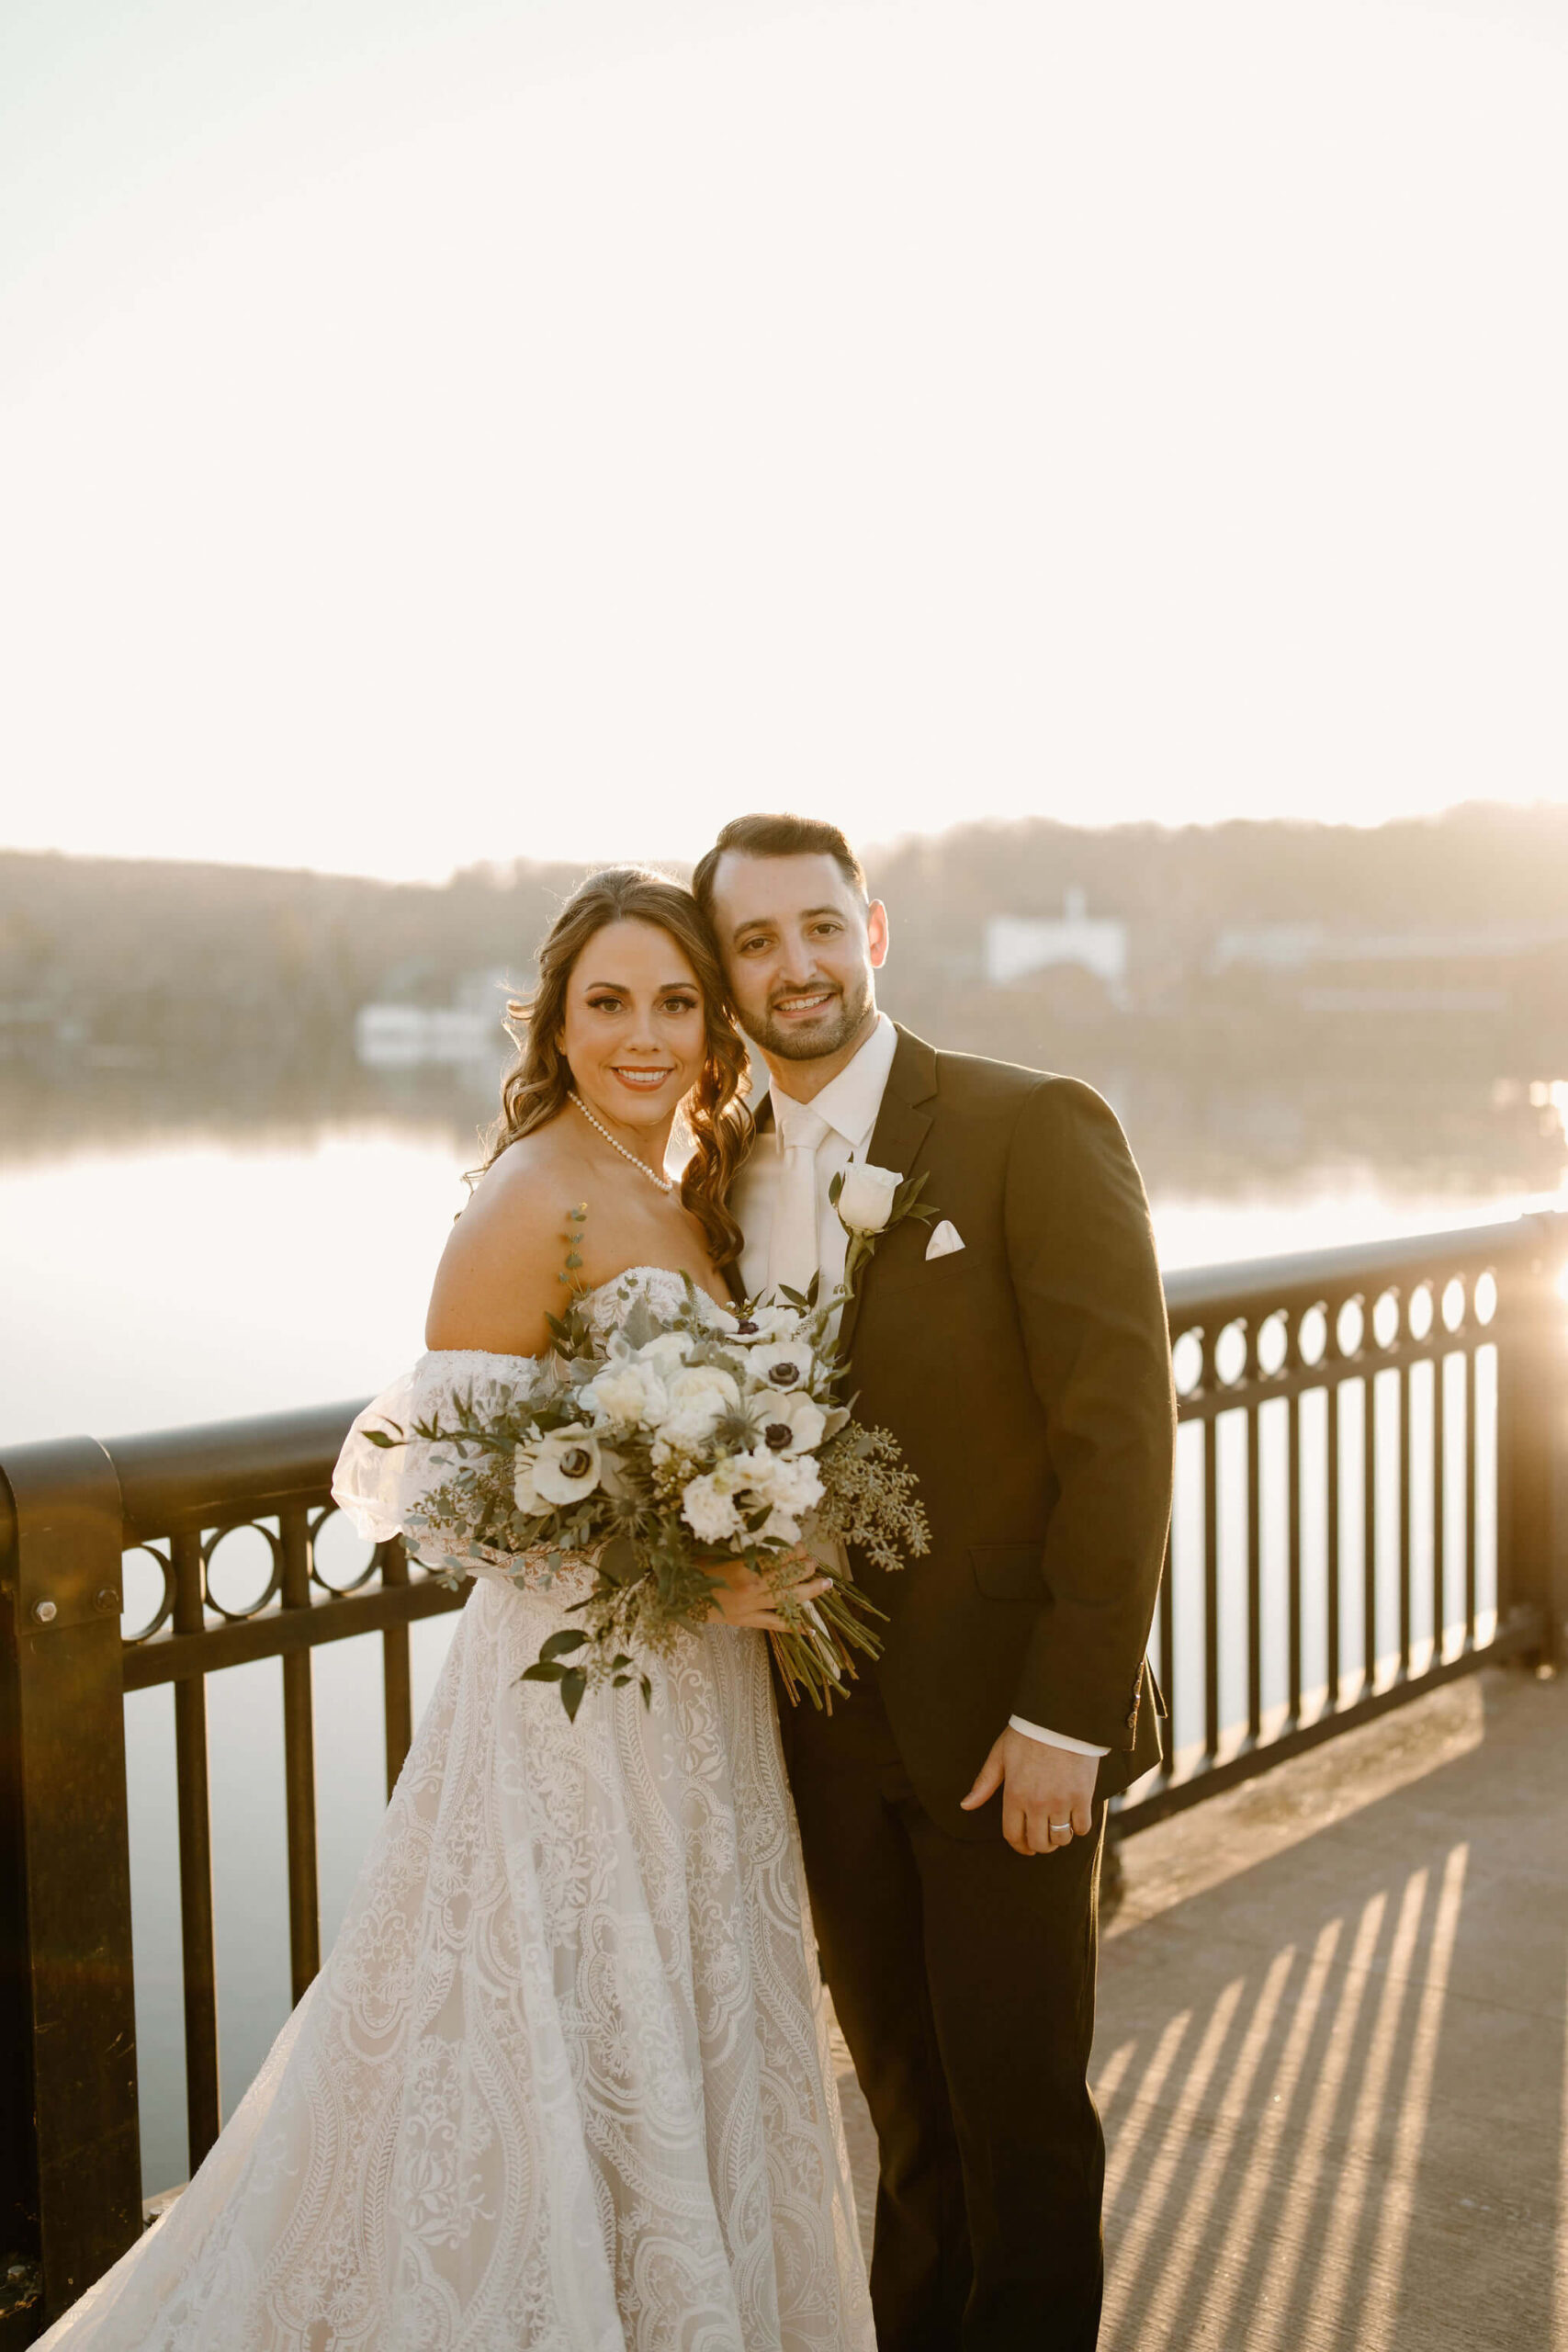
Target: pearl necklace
665,1183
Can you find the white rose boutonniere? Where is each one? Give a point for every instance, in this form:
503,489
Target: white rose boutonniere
865,1197
870,1201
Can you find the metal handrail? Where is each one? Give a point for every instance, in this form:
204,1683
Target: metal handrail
1284,1278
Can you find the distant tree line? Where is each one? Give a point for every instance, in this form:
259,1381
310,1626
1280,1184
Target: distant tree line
118,960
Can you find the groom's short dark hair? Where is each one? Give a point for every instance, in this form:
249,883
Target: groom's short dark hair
778,836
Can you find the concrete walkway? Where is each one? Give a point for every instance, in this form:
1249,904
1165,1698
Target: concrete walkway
1332,2055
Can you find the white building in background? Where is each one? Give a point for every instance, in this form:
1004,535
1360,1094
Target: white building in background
402,1036
1017,945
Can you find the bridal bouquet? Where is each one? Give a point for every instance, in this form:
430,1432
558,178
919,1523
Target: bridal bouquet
673,1445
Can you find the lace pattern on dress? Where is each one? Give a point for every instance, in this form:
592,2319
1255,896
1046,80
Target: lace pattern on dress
563,2082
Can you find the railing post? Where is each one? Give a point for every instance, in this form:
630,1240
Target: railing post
73,2178
1532,1432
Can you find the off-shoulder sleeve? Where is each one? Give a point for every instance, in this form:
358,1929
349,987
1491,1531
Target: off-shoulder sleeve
368,1481
381,1488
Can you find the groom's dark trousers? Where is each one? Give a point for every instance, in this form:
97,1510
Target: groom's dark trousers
1026,1378
963,1976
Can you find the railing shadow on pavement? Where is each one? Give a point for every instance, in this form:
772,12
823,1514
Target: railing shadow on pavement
1333,2081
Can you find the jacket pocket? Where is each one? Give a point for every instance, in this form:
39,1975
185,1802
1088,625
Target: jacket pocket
914,1277
1008,1571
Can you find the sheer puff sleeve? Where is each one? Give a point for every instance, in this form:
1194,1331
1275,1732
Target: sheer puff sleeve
381,1487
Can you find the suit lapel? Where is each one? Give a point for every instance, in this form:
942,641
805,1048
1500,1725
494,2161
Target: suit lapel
897,1141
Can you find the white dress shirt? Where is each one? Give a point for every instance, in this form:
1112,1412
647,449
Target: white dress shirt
850,1104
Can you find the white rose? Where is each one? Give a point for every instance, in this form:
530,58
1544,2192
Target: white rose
786,1487
866,1198
709,1512
792,1424
785,1365
699,1395
626,1394
667,1353
790,1482
567,1465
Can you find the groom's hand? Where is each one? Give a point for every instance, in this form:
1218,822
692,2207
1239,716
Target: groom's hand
1040,1784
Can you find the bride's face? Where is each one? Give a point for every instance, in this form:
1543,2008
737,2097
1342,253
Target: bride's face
635,1031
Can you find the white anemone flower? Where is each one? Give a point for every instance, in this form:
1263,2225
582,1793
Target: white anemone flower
785,1365
792,1424
567,1465
767,1325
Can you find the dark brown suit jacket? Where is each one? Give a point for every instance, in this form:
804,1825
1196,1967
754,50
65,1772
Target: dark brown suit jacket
1026,1378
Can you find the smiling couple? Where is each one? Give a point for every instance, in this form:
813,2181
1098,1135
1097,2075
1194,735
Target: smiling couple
564,2080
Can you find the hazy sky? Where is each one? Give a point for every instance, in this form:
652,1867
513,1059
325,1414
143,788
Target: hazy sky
442,429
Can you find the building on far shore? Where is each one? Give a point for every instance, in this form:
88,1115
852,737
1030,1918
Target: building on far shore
1017,947
401,1035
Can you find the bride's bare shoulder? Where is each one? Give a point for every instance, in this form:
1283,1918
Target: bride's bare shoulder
496,1281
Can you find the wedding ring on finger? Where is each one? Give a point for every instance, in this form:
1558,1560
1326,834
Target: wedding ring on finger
1062,1829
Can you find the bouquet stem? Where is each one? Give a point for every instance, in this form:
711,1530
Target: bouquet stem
816,1658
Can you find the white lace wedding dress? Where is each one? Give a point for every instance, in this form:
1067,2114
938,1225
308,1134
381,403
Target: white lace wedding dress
563,2082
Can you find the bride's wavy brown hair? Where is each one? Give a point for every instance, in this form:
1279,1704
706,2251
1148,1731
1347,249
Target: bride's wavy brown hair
534,1090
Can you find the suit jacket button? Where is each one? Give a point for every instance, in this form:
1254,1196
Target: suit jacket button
1132,1720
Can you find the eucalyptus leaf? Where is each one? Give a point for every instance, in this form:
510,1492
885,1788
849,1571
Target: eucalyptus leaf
641,1325
619,1561
540,1672
560,1644
573,1686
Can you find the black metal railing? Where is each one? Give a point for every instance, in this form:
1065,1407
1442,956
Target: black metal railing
74,1519
1404,1402
1393,1414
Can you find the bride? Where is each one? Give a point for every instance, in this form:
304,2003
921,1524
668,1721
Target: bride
563,2082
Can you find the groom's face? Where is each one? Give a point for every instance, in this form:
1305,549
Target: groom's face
800,947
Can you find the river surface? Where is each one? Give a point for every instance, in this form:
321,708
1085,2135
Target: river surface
149,1282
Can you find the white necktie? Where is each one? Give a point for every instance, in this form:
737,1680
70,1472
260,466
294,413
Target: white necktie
793,1245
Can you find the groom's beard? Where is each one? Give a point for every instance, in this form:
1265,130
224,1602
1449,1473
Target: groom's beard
828,1033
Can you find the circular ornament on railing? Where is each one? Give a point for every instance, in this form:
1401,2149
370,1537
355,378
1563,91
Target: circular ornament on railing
1421,1312
1312,1335
1274,1342
1231,1355
335,1546
1187,1362
142,1590
1484,1297
250,1545
1453,1303
1350,1327
1385,1319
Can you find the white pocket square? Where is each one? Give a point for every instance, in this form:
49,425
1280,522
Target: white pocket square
945,1240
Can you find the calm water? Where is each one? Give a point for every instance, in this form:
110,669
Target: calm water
185,1279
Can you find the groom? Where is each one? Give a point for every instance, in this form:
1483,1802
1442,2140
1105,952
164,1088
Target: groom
952,1812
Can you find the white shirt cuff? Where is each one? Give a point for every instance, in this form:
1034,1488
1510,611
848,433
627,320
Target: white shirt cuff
1056,1738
